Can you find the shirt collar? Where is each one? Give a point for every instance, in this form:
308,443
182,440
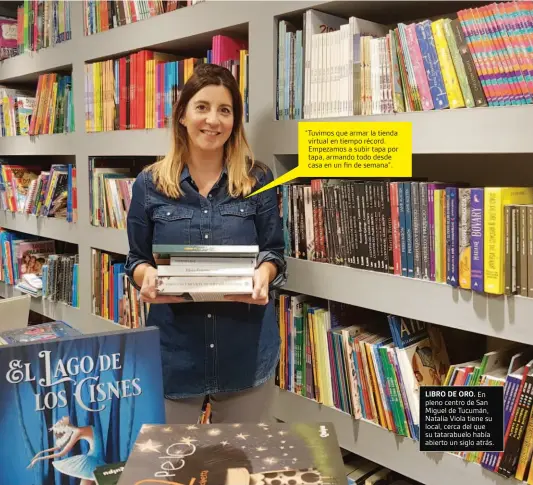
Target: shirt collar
185,174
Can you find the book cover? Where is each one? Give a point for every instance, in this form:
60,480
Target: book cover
236,454
74,404
34,333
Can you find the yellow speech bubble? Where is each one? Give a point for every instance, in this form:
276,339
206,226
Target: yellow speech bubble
337,149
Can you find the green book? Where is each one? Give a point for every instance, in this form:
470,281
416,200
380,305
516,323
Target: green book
109,474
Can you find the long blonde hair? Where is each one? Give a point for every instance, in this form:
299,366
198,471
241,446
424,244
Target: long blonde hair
238,155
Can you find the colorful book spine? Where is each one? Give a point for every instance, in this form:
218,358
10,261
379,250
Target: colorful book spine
431,64
477,204
465,230
458,64
449,75
418,67
452,236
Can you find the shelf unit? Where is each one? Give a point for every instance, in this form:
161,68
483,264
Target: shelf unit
464,131
388,449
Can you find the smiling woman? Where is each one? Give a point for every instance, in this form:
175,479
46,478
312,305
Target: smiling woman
197,195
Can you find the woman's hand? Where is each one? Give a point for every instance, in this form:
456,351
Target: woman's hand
263,275
149,289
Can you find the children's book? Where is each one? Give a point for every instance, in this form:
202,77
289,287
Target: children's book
236,454
73,404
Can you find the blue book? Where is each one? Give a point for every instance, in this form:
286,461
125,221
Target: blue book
431,65
77,403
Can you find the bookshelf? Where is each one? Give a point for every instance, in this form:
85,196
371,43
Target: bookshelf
502,130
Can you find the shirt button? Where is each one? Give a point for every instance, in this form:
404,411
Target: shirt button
206,211
210,195
209,315
206,236
212,345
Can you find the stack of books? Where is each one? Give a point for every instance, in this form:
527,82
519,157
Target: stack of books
205,273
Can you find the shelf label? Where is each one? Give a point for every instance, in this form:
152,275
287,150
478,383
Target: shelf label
461,418
351,149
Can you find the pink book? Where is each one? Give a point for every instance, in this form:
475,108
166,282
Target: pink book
8,38
418,67
228,48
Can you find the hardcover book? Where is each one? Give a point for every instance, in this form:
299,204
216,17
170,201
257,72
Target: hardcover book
236,454
71,405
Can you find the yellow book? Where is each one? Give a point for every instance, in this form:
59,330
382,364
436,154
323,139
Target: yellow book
96,88
53,110
449,76
325,367
384,415
493,239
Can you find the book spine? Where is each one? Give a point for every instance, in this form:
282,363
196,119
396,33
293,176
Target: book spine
464,238
403,240
417,246
449,75
424,230
523,251
508,246
477,214
530,251
454,236
469,64
395,217
409,229
458,64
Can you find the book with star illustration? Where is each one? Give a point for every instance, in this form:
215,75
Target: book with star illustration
236,454
71,405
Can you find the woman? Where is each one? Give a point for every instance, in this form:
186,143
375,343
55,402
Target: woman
197,195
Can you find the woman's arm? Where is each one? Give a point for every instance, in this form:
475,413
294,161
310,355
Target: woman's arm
271,269
140,265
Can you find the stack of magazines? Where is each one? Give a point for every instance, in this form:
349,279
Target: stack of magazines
205,273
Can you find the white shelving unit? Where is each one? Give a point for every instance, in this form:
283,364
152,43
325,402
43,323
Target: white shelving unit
461,131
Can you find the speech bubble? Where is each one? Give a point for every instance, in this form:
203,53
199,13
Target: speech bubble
341,149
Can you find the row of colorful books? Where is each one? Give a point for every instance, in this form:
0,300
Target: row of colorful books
28,189
39,24
443,232
39,267
48,110
155,80
340,66
102,15
114,297
110,184
372,365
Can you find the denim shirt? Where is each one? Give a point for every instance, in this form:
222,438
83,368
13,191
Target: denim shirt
210,347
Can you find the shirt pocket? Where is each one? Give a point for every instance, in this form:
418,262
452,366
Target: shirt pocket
238,223
172,224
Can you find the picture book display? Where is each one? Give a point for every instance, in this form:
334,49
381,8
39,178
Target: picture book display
236,454
71,405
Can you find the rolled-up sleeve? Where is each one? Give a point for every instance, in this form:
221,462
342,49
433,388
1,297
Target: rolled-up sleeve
270,232
139,228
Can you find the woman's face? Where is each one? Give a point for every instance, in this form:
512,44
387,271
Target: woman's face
209,118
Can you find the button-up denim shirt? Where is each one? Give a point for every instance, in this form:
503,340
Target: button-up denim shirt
210,347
